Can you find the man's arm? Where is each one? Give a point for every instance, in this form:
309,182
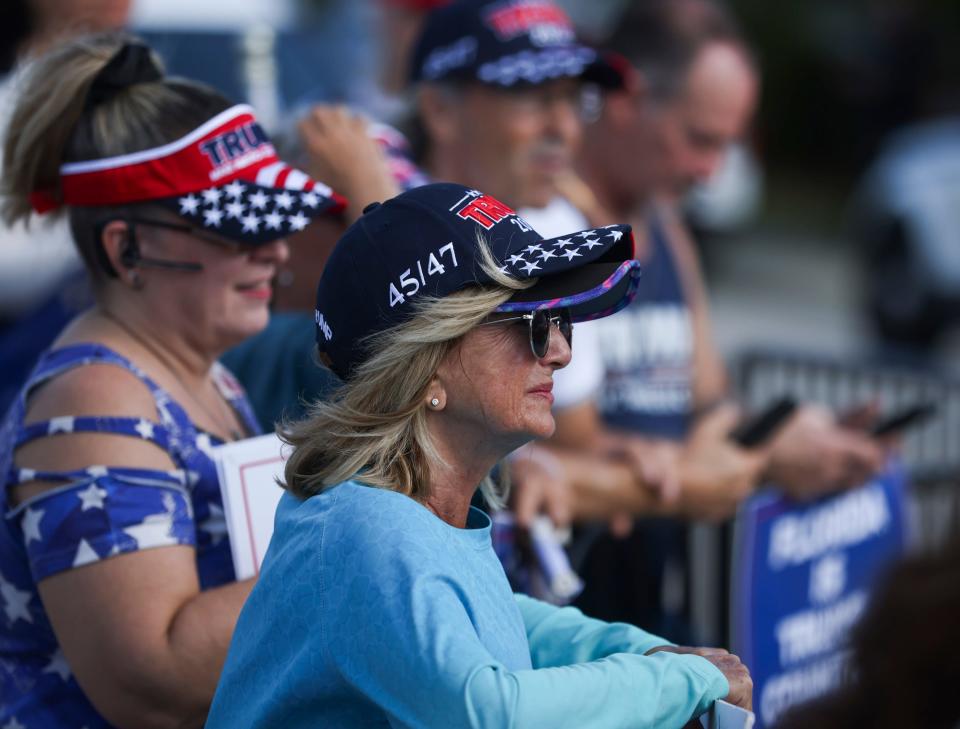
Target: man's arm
813,454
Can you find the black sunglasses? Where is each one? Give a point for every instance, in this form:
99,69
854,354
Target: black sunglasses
541,321
204,235
131,255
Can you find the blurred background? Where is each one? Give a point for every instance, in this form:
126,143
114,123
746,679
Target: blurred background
836,230
830,238
832,234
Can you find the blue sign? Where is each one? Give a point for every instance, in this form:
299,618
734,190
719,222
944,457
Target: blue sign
802,575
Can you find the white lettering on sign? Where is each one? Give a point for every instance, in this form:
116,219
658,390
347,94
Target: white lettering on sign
795,687
813,632
828,578
841,522
412,280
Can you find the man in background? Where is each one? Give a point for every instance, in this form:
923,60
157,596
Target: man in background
688,88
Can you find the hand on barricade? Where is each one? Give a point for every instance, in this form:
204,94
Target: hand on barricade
715,473
814,455
655,463
342,154
736,673
656,466
540,486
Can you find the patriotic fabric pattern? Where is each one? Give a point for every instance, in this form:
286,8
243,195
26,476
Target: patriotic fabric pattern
505,43
532,259
252,214
399,156
537,260
224,176
99,512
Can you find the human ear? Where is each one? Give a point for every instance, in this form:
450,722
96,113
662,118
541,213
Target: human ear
436,397
436,401
120,251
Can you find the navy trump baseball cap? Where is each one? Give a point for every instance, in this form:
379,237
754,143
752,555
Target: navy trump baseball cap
503,43
423,243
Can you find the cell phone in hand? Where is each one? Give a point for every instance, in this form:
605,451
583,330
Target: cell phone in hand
895,422
758,429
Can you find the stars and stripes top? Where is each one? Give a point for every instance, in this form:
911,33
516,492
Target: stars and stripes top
96,513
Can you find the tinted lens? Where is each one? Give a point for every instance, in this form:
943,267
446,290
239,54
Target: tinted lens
540,326
540,333
565,324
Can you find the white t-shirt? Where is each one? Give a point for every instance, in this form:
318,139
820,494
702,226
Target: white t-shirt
582,378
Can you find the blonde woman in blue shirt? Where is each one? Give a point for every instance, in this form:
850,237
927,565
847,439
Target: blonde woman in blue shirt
381,601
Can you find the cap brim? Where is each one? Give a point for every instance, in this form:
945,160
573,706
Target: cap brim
529,68
252,214
593,273
592,291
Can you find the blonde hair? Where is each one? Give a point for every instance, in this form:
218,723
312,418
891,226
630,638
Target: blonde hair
375,427
52,123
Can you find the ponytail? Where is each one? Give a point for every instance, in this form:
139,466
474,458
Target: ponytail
56,119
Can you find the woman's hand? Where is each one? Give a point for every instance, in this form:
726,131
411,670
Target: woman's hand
343,155
732,668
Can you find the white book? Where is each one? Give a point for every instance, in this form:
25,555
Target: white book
249,470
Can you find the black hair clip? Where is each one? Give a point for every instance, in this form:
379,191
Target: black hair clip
132,64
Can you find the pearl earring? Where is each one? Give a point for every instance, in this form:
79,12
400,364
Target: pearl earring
435,402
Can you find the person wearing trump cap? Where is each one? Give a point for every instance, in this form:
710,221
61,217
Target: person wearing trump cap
381,601
115,568
498,88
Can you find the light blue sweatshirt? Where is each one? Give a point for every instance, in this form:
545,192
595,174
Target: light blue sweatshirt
370,611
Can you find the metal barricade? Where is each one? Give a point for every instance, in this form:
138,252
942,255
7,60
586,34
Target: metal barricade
931,452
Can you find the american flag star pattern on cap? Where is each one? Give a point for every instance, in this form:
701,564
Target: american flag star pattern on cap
250,213
426,243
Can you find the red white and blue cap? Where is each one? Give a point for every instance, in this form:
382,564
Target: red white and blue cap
423,243
503,43
223,177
